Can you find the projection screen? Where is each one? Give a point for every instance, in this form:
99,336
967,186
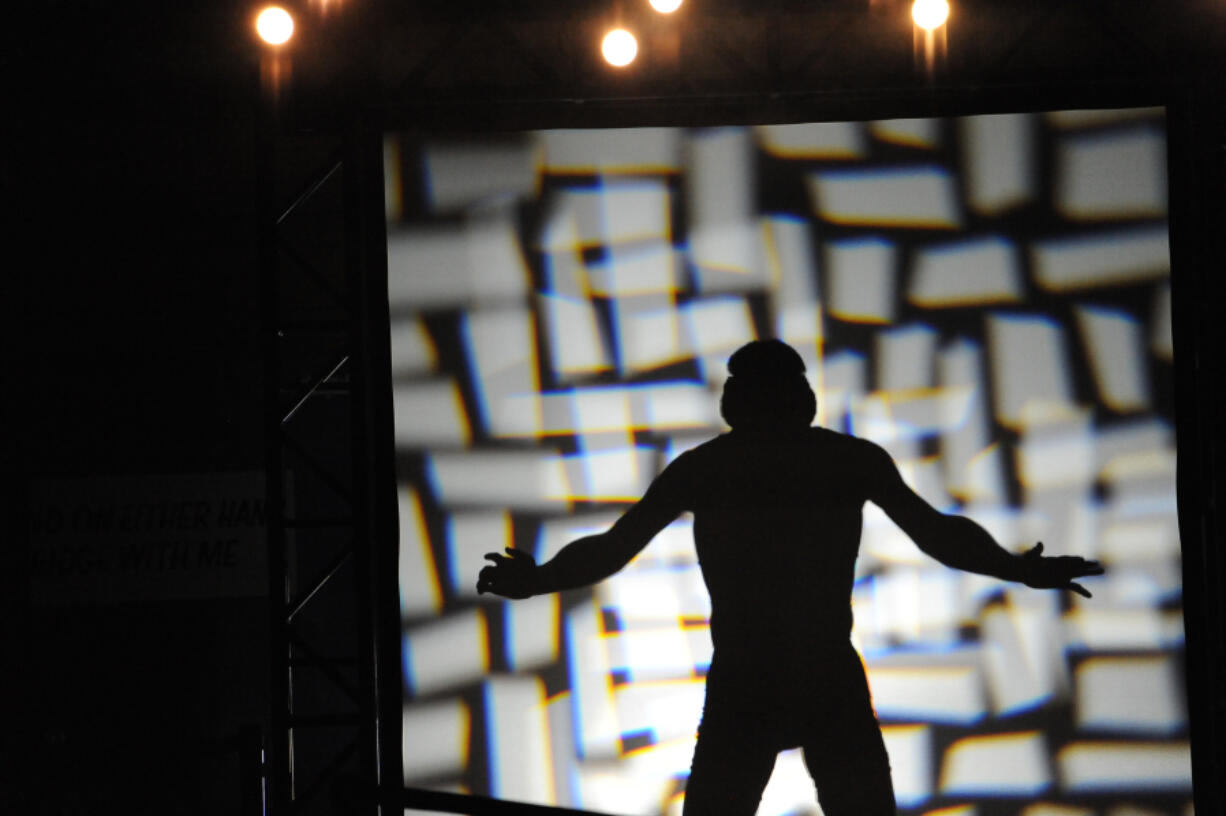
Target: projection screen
986,297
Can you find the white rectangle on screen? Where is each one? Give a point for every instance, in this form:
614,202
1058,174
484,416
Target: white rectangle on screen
614,150
799,324
562,749
649,332
420,593
719,177
1021,657
668,710
529,479
613,474
790,250
1058,454
813,140
959,368
969,273
999,161
501,347
915,604
719,324
429,413
905,358
463,174
1129,695
642,594
1112,174
652,592
1139,541
440,265
446,653
924,133
937,693
1117,628
1029,366
470,536
1101,259
672,406
729,257
576,345
635,210
588,667
434,739
412,349
1116,348
656,652
572,222
638,784
1088,767
518,733
916,197
860,280
844,382
910,751
531,633
996,765
1140,436
643,269
595,410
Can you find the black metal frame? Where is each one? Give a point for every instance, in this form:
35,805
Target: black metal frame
367,741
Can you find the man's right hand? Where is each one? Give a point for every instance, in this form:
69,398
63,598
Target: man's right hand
1045,572
513,575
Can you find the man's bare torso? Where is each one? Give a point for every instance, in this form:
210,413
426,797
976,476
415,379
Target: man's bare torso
777,529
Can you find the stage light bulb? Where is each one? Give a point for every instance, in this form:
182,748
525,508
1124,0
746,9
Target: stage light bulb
666,6
274,25
930,14
619,47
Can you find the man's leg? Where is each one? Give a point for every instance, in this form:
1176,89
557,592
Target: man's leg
852,778
846,755
728,775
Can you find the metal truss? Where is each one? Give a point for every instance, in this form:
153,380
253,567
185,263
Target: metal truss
323,746
442,55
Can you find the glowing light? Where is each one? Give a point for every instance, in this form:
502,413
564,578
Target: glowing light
619,47
665,6
274,25
930,14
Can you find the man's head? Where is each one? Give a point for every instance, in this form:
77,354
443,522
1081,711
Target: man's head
766,388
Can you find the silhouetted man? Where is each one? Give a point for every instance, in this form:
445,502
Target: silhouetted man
776,507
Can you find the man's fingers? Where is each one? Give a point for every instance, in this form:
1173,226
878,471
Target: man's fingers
519,554
1080,567
1080,590
497,558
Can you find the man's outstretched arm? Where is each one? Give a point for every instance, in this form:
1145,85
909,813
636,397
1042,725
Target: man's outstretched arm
958,542
586,560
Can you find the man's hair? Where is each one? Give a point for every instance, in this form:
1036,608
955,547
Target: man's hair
766,388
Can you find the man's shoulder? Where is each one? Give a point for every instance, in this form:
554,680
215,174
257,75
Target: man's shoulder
845,441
